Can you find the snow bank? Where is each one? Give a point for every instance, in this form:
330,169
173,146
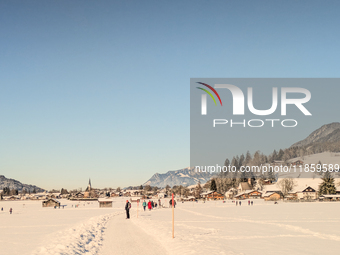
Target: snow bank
83,238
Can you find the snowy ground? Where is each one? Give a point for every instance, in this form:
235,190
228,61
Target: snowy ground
32,229
264,228
200,228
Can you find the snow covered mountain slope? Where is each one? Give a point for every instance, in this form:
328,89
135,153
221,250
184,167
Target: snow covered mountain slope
187,176
14,184
327,133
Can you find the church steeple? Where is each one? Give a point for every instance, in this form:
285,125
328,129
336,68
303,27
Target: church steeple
89,186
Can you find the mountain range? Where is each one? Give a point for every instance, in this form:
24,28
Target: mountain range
14,184
327,133
188,176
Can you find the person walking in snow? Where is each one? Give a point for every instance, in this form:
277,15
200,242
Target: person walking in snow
236,203
240,203
10,211
149,205
127,209
248,202
144,205
251,202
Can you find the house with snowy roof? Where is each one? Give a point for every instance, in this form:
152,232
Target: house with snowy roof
212,195
51,202
307,193
230,193
331,197
243,186
249,194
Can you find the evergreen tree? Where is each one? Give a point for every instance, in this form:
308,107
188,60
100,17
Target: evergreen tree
274,156
327,186
241,160
213,185
227,162
234,163
280,154
247,159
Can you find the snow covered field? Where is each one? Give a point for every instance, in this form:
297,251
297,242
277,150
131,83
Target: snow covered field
200,228
32,229
264,228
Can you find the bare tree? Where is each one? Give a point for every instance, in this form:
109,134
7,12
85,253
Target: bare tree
286,185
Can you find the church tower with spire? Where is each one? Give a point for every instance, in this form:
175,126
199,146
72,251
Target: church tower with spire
89,187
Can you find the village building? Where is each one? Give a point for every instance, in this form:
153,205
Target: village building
255,194
297,163
278,163
213,195
189,198
241,196
105,202
243,186
231,193
333,197
308,193
51,202
291,196
271,196
249,194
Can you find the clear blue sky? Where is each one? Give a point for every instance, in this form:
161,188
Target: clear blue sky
100,89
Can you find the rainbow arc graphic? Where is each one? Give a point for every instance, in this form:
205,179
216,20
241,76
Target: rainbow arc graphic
209,93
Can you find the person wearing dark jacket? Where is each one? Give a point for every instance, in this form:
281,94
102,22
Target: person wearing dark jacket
127,209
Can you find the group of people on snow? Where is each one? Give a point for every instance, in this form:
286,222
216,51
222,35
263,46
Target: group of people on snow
150,205
10,210
240,203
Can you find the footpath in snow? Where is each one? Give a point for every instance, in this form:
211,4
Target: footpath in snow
123,236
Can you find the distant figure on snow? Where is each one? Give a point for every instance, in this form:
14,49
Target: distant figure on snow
251,202
170,203
149,205
240,203
144,205
127,209
10,211
236,203
248,202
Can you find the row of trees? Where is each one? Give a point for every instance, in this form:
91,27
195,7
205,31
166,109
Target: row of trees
13,192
